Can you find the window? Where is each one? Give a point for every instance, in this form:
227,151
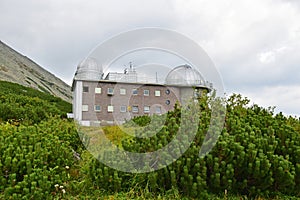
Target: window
135,109
146,92
123,109
97,90
157,109
134,91
85,89
110,108
110,91
168,102
123,91
146,109
97,108
85,108
197,94
157,93
168,91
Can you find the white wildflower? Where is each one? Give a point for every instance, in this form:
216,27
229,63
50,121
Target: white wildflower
63,191
56,185
61,187
67,167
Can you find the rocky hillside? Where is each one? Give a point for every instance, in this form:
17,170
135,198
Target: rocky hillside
17,68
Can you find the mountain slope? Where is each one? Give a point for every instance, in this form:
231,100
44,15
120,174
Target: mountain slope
17,68
23,104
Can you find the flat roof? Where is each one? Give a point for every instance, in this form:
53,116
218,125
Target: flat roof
141,83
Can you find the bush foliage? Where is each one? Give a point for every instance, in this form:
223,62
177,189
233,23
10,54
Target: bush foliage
33,159
257,153
19,104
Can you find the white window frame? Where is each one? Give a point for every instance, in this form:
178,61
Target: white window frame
123,109
122,91
110,108
157,93
96,109
85,108
146,109
146,93
98,90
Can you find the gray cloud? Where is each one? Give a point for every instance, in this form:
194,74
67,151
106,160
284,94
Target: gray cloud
254,44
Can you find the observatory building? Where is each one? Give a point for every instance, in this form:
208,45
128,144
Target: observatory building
117,97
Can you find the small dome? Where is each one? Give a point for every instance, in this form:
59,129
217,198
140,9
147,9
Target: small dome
89,69
184,75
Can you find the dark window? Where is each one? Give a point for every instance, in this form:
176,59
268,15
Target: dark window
97,108
168,102
135,109
167,91
85,89
134,91
146,92
157,109
110,91
123,109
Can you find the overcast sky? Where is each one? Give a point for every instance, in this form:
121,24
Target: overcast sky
255,44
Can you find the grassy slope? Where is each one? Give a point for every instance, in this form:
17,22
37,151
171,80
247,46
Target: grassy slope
7,88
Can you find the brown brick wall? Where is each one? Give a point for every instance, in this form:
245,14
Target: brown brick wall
128,100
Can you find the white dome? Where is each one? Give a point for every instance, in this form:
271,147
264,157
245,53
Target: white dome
184,75
89,69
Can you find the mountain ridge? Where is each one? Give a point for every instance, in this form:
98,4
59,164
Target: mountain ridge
17,68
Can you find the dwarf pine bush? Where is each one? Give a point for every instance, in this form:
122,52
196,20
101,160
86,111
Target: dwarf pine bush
33,159
257,153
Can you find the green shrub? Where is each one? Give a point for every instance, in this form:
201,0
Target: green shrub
36,161
19,104
142,120
257,153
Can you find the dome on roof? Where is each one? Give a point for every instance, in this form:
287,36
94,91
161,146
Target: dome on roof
184,75
89,69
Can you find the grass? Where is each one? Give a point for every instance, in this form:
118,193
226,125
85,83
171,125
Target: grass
141,194
115,134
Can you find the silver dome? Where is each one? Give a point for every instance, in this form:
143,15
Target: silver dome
89,69
184,75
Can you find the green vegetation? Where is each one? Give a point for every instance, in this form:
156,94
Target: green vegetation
33,159
37,144
19,104
257,155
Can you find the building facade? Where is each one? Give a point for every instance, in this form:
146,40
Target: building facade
121,96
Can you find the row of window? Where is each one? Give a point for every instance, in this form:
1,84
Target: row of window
123,109
110,91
